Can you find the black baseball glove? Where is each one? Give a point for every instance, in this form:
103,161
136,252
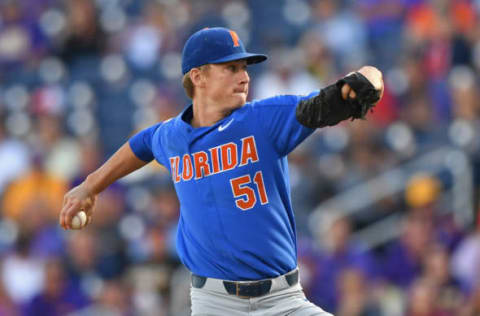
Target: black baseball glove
329,108
367,95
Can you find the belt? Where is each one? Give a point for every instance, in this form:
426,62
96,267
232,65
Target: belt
247,289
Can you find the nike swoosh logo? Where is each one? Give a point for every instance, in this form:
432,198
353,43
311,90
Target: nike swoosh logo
222,127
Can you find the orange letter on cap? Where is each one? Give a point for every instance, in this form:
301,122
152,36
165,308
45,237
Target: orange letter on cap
234,36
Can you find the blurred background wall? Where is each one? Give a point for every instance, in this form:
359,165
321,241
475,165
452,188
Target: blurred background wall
387,208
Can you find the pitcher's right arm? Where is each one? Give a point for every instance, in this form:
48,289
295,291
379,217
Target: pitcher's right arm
83,196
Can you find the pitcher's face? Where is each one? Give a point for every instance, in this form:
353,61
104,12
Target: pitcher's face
227,83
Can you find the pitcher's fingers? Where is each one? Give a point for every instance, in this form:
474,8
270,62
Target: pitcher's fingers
69,213
84,206
63,220
87,203
88,211
61,217
345,91
352,94
92,206
90,214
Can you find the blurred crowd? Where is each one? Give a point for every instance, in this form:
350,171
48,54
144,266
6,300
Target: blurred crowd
78,77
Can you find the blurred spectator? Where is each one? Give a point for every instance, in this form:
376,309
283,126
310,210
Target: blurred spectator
61,153
337,253
58,297
81,262
418,114
403,261
436,269
164,208
14,157
343,33
179,303
113,300
466,260
20,37
472,306
38,186
308,185
144,40
423,300
90,158
22,273
422,195
148,289
355,297
462,83
383,20
36,220
286,76
363,162
111,258
464,125
7,305
84,36
317,58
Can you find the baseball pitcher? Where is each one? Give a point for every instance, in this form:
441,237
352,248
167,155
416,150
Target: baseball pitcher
227,160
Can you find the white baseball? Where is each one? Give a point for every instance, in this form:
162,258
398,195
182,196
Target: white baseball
79,220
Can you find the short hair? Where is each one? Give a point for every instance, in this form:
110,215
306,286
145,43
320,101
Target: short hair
188,84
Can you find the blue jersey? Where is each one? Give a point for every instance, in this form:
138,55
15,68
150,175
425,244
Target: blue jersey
236,219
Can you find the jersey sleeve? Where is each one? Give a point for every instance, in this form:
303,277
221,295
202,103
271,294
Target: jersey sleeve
142,143
277,117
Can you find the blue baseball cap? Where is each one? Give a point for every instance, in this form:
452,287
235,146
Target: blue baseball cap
213,46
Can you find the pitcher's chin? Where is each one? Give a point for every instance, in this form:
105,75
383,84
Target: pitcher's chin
240,99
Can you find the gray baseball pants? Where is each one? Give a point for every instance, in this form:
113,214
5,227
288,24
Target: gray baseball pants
213,300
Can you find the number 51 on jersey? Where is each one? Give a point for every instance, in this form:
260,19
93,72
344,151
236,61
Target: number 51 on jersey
244,191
